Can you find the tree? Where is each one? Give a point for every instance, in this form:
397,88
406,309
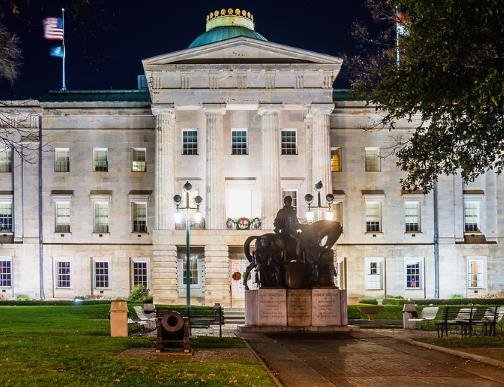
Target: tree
450,78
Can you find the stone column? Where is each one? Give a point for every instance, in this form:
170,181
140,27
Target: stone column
165,169
489,201
164,285
215,199
308,152
321,148
217,275
271,195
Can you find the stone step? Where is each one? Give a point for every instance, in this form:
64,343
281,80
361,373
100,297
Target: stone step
234,315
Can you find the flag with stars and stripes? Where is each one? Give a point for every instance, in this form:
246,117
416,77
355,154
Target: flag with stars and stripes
53,28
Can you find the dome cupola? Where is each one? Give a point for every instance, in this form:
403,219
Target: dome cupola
226,24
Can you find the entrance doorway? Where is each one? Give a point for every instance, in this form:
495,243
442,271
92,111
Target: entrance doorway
237,266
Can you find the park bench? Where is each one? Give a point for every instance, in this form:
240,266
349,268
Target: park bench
427,314
466,320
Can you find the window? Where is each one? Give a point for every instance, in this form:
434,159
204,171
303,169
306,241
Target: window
61,160
289,142
140,274
372,159
189,142
476,272
373,216
6,216
196,271
337,211
373,267
193,269
293,194
62,274
239,203
471,216
101,274
101,217
62,217
5,272
5,160
413,274
412,216
100,158
139,216
336,160
138,156
239,142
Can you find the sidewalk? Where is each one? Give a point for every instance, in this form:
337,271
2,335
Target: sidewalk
367,358
492,356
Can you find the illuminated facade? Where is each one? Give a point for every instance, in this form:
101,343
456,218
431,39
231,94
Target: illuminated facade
246,121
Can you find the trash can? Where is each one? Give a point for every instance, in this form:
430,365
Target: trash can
409,312
119,319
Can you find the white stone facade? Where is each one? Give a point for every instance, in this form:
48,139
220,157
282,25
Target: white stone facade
270,92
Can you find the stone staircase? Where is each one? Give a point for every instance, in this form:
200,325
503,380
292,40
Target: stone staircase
234,316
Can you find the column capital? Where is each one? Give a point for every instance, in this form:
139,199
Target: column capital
214,108
159,110
321,109
268,109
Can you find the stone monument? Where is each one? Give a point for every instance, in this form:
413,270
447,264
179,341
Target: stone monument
295,274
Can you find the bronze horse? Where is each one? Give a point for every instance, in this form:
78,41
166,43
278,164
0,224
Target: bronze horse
273,253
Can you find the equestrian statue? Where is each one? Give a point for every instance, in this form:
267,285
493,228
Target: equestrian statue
294,255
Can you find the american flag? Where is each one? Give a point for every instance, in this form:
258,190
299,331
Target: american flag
53,28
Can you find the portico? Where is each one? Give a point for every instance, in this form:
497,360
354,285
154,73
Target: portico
213,89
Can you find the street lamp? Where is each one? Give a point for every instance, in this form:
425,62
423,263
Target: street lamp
310,215
197,219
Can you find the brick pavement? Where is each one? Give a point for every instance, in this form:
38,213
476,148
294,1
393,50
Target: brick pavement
367,358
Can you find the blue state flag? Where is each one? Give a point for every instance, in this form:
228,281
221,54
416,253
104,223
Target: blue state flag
58,51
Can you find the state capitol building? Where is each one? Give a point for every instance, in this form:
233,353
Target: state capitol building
247,122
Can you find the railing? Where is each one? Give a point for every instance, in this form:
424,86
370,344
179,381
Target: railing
244,223
193,225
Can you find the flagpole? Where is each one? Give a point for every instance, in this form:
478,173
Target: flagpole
398,54
63,81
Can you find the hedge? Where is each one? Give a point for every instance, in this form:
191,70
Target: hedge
52,302
450,301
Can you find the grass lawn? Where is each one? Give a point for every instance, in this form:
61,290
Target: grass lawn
70,345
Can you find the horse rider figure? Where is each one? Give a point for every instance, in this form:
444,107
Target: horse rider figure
286,226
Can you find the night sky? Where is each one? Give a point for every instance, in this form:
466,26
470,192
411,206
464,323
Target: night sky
105,46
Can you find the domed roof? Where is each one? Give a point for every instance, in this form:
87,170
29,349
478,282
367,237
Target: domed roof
227,24
219,34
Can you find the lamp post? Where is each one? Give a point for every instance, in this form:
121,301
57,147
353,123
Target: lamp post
197,219
309,200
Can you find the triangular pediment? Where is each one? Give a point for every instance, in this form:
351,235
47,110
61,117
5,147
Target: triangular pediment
242,50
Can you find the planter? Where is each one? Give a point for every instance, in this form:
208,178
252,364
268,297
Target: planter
370,310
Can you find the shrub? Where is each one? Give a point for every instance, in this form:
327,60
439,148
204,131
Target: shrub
368,301
23,297
456,297
393,301
139,294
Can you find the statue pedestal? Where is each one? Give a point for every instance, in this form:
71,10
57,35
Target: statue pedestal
318,309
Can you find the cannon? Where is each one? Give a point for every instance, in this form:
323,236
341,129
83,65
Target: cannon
172,331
